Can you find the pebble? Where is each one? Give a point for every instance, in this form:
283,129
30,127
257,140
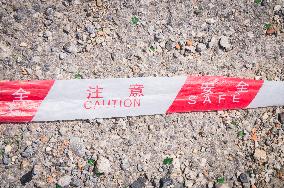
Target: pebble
64,181
76,182
6,160
260,154
210,185
140,167
169,45
213,42
166,181
77,146
100,40
67,28
70,48
7,149
224,43
99,3
62,56
124,164
27,177
189,183
281,117
243,178
139,183
90,29
28,152
47,34
103,165
23,44
277,8
200,47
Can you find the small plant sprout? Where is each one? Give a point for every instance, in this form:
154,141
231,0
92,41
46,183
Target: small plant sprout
267,26
241,134
168,161
134,20
152,49
258,1
221,180
91,162
78,76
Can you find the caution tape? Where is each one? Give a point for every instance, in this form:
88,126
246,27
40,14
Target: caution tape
50,100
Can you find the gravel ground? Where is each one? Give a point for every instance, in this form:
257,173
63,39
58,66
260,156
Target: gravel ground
65,39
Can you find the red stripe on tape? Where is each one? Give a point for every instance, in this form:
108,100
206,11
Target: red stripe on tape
214,93
20,100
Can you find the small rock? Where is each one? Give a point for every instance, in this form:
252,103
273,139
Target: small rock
210,185
260,154
67,28
189,183
213,42
76,182
140,167
23,44
62,56
27,177
28,152
277,8
7,149
70,48
225,43
90,29
169,45
139,183
48,149
100,40
99,3
200,47
64,181
243,178
281,117
77,145
6,160
103,165
166,181
47,34
124,164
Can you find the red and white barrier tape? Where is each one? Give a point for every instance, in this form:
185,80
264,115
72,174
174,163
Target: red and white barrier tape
49,100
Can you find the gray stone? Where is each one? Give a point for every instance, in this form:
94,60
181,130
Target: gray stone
64,181
243,178
6,160
139,183
28,152
76,182
225,43
90,29
62,56
166,181
47,34
77,146
124,164
200,47
70,47
169,45
140,167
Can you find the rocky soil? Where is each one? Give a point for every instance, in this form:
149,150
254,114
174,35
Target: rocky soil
66,39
